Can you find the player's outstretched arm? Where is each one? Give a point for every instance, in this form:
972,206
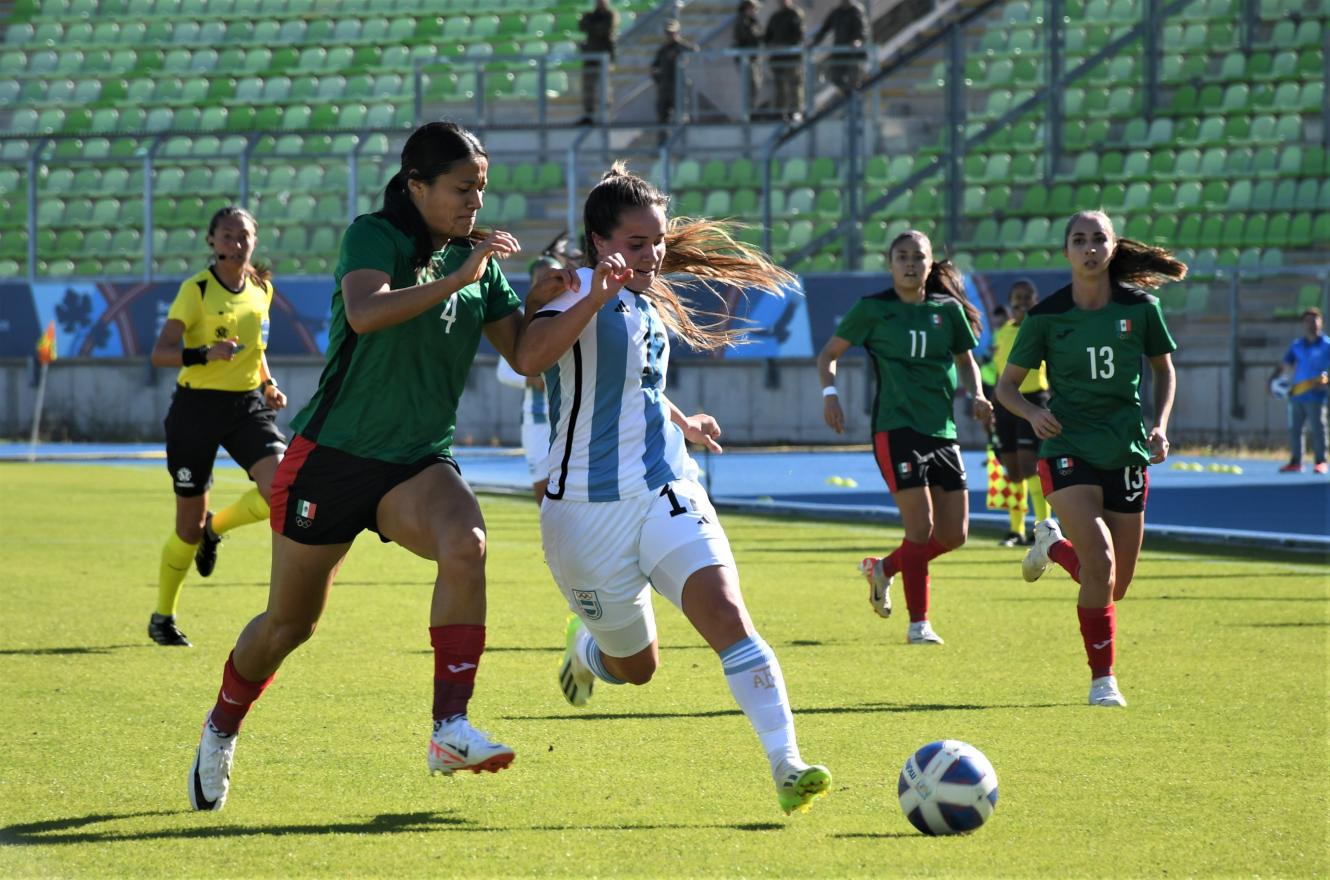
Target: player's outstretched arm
549,336
827,358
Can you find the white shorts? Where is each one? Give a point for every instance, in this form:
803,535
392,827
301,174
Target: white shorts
536,445
605,555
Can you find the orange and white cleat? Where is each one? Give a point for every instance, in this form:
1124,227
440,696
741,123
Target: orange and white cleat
456,745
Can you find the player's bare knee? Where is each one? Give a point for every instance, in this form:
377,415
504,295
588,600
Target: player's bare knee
462,549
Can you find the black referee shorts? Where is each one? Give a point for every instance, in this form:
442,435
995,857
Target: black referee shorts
200,421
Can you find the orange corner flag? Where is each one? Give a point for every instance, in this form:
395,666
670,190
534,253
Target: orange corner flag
46,345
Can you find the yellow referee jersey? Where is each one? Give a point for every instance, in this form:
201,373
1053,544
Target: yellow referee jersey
1003,340
211,313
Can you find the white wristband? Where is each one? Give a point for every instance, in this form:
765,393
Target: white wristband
829,391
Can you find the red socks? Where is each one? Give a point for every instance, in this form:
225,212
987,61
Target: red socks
891,563
914,572
235,697
1065,555
1098,626
457,650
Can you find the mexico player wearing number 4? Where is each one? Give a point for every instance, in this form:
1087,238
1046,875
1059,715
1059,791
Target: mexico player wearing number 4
623,511
416,289
1092,335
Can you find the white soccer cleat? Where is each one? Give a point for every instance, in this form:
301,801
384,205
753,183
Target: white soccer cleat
879,586
456,745
210,777
1104,692
575,679
921,633
1036,561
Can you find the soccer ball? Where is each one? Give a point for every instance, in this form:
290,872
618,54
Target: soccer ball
948,787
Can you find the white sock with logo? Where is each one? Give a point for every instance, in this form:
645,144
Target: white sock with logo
755,679
589,651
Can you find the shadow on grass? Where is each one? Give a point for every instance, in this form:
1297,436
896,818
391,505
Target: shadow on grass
74,830
1300,623
60,652
77,829
554,649
862,708
877,835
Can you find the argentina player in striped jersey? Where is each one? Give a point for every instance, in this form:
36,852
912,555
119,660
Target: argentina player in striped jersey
623,511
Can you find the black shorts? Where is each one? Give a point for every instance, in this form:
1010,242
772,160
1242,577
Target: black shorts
322,495
199,421
1013,432
1125,488
908,460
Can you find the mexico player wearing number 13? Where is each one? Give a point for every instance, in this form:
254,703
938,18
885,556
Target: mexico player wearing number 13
1092,335
415,291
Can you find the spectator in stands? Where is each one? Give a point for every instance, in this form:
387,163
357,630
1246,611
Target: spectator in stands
601,26
1308,360
225,396
748,36
665,70
848,26
785,34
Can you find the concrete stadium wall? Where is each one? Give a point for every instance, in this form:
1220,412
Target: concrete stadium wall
756,402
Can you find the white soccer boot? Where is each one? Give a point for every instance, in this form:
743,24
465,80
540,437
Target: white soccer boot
921,633
1036,561
879,586
456,745
210,777
1104,692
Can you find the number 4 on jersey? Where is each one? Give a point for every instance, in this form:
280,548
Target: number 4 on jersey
449,313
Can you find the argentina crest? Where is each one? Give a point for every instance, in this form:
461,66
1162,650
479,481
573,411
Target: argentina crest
589,602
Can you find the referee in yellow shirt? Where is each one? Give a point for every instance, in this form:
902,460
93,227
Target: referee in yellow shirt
1017,445
216,332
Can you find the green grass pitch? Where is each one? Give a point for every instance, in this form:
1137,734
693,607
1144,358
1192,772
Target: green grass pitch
1219,767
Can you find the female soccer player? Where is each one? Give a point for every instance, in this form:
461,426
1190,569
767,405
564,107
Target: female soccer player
1017,442
1095,448
216,333
535,416
623,511
415,290
919,332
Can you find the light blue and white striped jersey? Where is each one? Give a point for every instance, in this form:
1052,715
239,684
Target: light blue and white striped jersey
611,435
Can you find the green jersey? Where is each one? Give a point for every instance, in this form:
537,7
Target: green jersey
392,395
914,348
1094,370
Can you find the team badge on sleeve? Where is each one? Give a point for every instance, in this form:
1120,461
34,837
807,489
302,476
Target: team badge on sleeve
589,603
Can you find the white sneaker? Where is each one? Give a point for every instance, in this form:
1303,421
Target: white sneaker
1036,561
879,586
456,745
210,777
799,784
575,679
1104,692
921,633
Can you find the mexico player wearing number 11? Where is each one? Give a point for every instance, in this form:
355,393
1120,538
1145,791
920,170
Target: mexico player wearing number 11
1092,334
623,510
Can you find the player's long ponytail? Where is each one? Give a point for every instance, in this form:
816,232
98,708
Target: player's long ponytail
431,150
705,249
944,278
1134,263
